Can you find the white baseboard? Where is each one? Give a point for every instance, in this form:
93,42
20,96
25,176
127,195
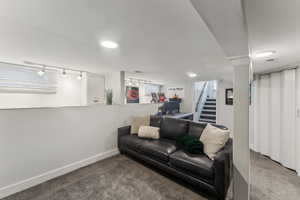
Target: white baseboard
25,184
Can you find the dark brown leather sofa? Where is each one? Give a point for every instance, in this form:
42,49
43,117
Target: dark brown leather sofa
210,175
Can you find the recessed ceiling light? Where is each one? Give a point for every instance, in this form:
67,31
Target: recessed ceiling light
192,75
264,54
109,44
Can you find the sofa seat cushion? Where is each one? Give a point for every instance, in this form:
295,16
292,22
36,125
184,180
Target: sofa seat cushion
200,165
132,142
159,149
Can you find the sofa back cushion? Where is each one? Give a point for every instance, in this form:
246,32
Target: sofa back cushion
196,129
173,128
155,121
139,121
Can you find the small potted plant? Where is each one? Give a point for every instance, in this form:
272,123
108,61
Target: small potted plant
109,96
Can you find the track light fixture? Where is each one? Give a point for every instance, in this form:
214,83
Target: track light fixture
41,69
79,77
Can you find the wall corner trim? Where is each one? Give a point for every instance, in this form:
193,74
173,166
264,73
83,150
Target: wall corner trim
33,181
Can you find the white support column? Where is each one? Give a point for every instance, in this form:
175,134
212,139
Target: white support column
115,80
298,121
241,151
122,85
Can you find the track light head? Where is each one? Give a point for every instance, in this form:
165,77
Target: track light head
79,77
64,73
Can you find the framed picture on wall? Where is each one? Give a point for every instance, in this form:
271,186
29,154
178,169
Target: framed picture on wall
229,96
132,94
177,92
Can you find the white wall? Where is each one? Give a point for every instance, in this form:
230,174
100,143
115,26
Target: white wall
39,144
187,101
95,89
224,112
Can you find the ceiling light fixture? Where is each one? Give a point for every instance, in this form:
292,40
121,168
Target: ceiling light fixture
192,75
264,54
79,77
42,71
109,44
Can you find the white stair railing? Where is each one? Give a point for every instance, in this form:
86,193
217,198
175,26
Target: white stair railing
201,101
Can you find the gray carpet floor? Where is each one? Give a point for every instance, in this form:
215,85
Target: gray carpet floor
116,178
271,181
119,178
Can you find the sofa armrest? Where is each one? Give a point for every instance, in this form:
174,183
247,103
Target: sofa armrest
223,169
123,131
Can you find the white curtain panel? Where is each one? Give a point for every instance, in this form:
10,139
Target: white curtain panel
276,117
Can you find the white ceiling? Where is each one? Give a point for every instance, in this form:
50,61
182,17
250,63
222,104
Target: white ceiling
165,37
226,21
274,25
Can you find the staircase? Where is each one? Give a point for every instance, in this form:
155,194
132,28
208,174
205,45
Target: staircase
208,113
